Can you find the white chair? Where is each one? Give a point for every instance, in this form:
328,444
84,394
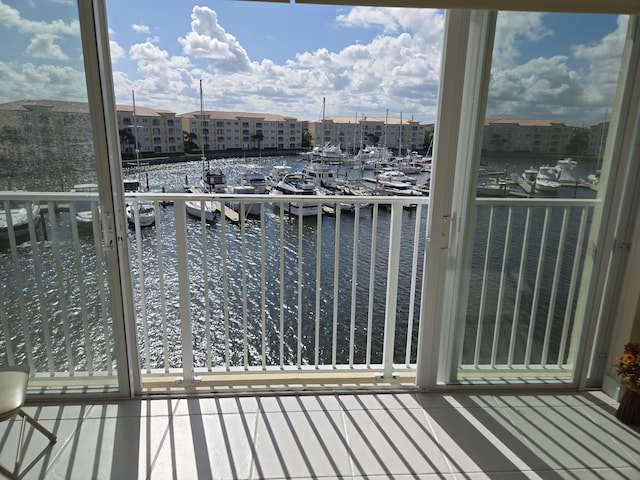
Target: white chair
13,391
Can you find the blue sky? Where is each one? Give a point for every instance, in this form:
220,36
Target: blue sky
284,58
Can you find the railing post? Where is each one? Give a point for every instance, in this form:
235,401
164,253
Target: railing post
392,292
180,214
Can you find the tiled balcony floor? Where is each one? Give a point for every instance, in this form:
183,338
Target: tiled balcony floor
386,435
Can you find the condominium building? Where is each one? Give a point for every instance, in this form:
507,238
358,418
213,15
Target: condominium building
351,133
219,130
526,135
156,131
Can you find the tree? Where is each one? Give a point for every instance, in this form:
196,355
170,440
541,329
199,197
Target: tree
578,144
188,140
258,137
307,140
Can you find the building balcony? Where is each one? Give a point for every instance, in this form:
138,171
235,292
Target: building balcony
329,435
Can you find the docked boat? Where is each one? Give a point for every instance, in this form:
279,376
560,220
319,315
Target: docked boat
490,187
250,175
278,172
18,215
547,180
84,209
214,181
321,175
397,176
298,184
144,210
199,209
328,153
565,167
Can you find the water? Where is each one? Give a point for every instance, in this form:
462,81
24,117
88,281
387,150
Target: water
71,326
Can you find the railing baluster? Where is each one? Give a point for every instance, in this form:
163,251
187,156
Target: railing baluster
414,279
204,254
536,292
96,226
554,288
161,292
225,284
88,346
143,296
263,282
503,279
483,293
318,317
245,303
521,283
573,284
282,263
395,229
44,314
182,256
354,282
336,291
372,280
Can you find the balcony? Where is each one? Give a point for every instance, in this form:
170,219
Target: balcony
366,435
270,302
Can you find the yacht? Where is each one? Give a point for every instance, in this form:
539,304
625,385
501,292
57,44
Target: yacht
321,175
564,167
278,172
146,211
547,179
298,184
84,209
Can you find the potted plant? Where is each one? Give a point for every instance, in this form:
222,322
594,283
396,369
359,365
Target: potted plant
628,367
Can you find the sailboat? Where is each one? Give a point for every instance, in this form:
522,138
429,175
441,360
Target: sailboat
144,211
198,208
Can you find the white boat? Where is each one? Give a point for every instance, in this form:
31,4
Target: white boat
328,153
214,181
564,168
321,175
530,175
250,175
144,210
298,184
278,172
547,179
19,215
199,209
397,176
489,187
250,208
84,209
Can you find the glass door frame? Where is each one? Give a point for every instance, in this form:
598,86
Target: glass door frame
464,82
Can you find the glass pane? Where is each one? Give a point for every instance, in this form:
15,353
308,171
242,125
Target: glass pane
55,312
552,84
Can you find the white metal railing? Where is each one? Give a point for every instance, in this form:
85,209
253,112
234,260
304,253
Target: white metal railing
273,292
526,270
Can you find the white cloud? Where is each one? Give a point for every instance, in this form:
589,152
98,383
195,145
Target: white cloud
575,88
31,81
140,28
11,18
117,52
209,41
44,46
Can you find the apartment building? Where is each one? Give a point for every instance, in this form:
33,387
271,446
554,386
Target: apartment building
220,130
350,133
157,131
526,135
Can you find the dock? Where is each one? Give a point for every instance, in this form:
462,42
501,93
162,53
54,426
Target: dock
229,213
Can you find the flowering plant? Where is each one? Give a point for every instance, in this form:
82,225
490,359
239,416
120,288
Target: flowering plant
628,366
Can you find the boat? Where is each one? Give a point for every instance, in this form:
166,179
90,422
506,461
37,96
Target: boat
564,168
84,208
214,181
278,172
210,180
298,184
250,175
19,216
321,175
530,175
396,175
143,209
489,187
328,153
547,180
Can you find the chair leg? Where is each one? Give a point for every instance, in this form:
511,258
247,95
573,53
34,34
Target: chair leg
28,418
51,436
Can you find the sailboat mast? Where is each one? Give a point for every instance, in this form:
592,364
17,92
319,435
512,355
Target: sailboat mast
400,137
202,122
135,136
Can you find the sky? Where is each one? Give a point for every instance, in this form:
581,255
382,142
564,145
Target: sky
285,58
